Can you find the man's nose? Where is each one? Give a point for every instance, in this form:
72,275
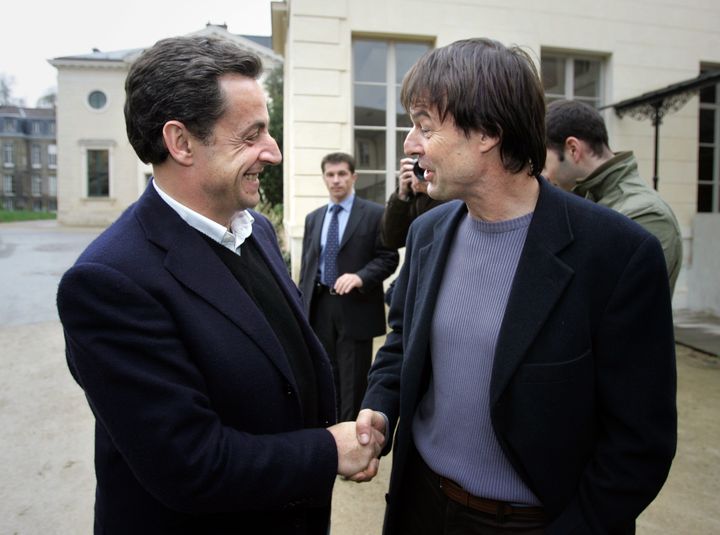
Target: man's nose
411,147
271,154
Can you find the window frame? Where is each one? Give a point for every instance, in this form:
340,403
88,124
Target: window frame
8,154
86,174
569,59
52,155
391,128
35,156
36,185
714,181
8,180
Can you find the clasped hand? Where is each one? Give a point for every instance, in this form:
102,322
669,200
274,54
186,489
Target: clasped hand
359,445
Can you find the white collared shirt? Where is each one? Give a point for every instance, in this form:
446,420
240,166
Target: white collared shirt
240,223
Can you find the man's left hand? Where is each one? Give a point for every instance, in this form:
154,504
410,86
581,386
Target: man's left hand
347,282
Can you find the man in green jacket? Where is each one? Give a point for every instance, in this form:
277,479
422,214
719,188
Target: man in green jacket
580,160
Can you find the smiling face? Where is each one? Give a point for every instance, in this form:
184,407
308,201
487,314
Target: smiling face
238,149
339,180
452,160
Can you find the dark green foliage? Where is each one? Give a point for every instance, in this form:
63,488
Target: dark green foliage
272,178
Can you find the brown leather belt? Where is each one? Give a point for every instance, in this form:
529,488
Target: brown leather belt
502,511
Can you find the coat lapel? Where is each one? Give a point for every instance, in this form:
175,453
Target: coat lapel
540,280
356,216
195,265
431,262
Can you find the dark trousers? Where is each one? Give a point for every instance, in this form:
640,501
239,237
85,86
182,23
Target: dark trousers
350,358
424,509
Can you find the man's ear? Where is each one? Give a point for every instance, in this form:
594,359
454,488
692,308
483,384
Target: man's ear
178,141
488,143
575,148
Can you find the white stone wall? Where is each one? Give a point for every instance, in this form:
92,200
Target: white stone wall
81,127
648,45
703,269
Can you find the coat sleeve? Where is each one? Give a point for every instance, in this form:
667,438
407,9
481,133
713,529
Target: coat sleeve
149,394
395,222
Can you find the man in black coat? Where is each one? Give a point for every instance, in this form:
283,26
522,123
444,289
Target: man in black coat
344,264
529,375
213,398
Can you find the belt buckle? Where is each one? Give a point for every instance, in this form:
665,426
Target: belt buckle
332,291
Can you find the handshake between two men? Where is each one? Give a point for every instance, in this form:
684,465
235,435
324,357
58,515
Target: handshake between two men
359,445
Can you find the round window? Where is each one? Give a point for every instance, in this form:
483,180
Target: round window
97,100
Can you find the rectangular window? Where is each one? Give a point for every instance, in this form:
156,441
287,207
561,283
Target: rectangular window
52,155
36,185
52,186
8,185
35,155
9,154
98,173
708,191
571,77
380,123
9,204
36,127
9,125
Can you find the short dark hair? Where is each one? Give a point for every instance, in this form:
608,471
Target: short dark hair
488,88
338,157
177,79
567,118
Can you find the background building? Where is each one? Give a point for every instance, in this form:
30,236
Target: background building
345,60
343,66
28,159
99,174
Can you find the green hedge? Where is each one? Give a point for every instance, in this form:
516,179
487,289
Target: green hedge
7,216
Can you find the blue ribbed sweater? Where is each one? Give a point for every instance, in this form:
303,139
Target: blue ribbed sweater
452,428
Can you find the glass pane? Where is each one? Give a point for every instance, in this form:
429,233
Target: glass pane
704,198
369,61
402,119
97,99
707,126
406,54
98,173
553,75
371,186
595,102
400,136
587,78
705,164
370,105
708,94
370,149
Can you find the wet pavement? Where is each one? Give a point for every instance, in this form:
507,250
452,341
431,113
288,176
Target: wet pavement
46,428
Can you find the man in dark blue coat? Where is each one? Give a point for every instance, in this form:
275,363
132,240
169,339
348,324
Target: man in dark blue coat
529,377
213,399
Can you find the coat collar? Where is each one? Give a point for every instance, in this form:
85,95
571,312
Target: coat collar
357,214
191,261
540,280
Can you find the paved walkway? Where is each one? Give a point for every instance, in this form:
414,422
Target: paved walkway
46,428
698,330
